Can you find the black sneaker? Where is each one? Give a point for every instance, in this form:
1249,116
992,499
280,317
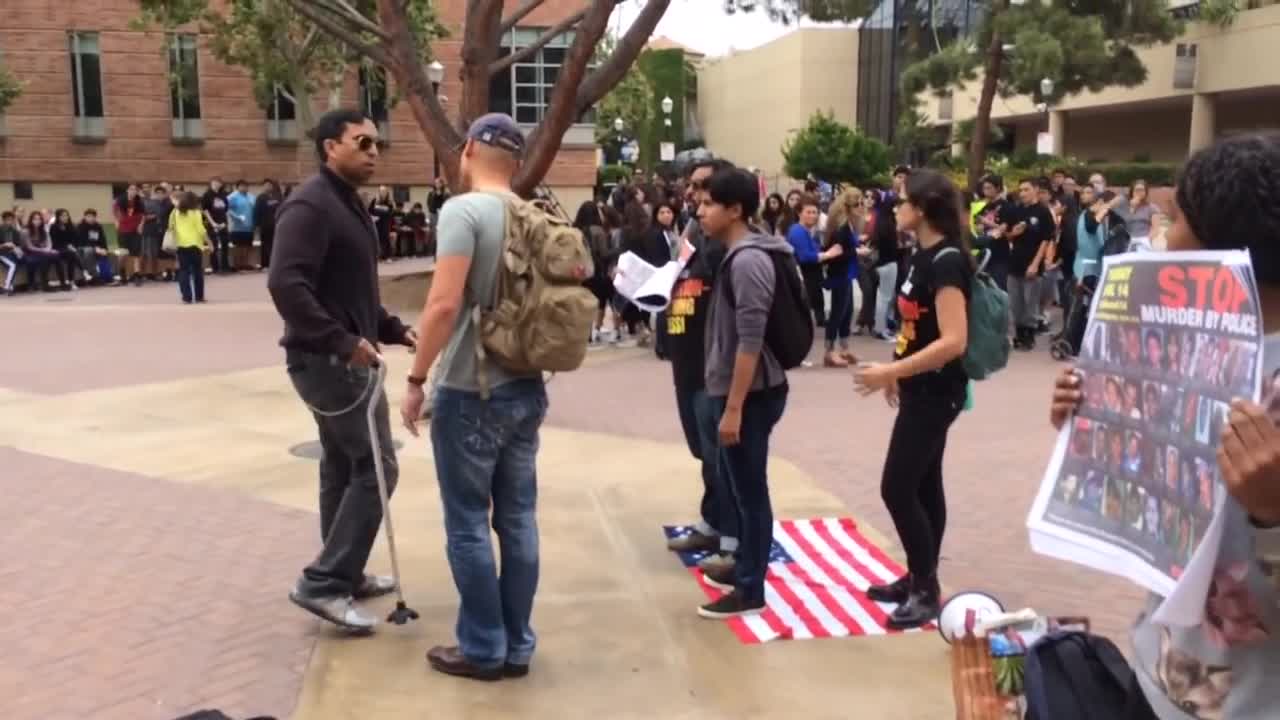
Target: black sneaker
730,606
895,592
920,608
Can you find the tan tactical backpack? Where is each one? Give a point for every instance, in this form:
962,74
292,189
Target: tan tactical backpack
541,317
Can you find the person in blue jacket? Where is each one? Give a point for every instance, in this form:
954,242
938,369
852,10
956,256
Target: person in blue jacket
240,222
803,238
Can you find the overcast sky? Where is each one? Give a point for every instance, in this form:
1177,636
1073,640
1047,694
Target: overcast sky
704,26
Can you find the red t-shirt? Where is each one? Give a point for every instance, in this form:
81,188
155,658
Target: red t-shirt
128,217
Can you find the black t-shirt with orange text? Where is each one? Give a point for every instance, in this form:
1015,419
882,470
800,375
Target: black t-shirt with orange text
928,271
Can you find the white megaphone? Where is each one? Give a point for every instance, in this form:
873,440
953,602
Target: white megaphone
964,611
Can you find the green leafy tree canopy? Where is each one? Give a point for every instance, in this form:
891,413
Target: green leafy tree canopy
1078,44
835,152
631,99
277,46
10,88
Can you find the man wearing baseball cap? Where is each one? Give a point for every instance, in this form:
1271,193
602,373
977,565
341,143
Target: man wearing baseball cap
485,451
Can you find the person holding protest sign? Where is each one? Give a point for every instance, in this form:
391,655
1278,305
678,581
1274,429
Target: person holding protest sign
1227,198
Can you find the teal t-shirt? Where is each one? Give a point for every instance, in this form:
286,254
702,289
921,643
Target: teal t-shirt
472,225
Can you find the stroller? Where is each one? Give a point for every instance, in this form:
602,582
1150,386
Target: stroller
1067,343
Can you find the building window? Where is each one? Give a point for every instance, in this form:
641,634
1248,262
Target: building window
184,88
282,123
524,89
374,98
1184,66
22,190
86,85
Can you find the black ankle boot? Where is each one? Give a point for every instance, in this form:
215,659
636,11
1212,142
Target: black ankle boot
920,607
895,592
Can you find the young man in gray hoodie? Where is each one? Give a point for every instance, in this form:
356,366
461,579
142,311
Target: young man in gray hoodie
745,382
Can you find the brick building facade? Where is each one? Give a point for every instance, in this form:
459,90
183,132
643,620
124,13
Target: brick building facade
98,110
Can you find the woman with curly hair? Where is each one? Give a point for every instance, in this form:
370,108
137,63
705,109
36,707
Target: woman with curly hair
842,247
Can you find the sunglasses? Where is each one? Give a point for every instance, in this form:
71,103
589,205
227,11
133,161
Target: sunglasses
366,143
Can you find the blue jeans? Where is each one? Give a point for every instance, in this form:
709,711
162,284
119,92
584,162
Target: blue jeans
839,323
485,455
746,467
700,420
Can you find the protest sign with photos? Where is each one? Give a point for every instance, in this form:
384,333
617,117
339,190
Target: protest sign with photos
1133,487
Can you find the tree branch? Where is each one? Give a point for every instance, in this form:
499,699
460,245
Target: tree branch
525,53
525,8
561,110
309,44
340,32
352,16
602,79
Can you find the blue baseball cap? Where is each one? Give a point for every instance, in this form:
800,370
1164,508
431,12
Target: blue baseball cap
498,130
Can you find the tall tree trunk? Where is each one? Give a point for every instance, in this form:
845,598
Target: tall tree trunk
982,121
305,118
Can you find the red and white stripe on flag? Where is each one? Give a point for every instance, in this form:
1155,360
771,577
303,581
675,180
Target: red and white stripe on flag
820,591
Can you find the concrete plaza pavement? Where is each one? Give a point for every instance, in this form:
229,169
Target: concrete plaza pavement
156,520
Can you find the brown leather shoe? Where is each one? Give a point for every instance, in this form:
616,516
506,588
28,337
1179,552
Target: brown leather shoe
693,541
450,661
835,360
849,357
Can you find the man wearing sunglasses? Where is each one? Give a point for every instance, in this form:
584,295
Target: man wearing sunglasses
324,283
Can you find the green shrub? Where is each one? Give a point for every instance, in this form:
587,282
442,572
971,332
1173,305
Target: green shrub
609,174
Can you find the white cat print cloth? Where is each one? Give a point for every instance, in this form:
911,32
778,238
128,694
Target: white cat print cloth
1227,666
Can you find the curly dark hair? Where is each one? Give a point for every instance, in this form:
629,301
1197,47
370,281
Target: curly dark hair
1228,195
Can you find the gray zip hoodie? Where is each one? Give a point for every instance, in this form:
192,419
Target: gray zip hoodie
737,324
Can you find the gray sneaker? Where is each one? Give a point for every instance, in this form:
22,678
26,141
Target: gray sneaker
717,562
375,586
337,609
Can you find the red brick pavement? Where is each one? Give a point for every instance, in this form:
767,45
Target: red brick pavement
130,598
995,457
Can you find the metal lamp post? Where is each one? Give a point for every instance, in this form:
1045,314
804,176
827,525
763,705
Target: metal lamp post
435,73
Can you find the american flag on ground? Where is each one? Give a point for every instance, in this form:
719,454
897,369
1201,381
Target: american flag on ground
819,571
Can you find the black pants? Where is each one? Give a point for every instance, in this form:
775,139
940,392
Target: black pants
221,242
268,237
38,265
69,267
350,507
384,245
701,424
869,283
191,274
745,466
912,482
404,243
813,287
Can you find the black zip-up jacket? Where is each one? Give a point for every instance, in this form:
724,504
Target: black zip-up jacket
324,271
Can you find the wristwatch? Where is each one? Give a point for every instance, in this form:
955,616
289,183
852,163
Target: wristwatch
415,380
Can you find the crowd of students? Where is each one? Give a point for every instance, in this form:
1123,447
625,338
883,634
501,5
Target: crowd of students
1046,238
40,246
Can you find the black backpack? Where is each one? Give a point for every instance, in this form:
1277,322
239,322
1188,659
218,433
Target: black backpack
789,331
1117,240
1074,675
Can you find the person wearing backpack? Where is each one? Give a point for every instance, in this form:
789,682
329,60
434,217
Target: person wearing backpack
1225,666
486,417
715,532
927,382
746,365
